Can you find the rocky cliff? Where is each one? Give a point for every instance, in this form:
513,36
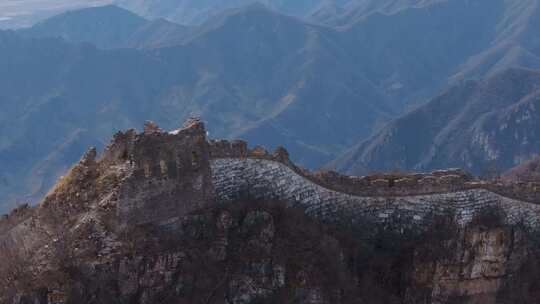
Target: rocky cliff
172,217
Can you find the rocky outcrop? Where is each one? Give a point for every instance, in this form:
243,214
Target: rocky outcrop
170,217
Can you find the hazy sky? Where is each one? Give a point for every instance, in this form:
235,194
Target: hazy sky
17,13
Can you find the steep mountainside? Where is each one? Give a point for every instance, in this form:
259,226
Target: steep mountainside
294,88
417,51
108,27
528,171
345,13
169,217
479,125
57,98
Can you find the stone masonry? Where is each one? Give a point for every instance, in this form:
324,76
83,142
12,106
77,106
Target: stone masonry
267,179
169,173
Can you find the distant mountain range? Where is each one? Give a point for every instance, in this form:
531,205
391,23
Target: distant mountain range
17,14
483,126
82,94
191,12
250,72
108,27
345,13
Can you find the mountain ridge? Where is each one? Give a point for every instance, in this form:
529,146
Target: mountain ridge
108,27
457,129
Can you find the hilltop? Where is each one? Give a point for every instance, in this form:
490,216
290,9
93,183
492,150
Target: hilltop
174,217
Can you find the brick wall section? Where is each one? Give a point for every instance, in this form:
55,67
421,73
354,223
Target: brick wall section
387,184
267,179
228,149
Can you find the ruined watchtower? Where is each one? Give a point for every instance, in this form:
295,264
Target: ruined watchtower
169,172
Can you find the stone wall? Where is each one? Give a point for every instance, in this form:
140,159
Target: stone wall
169,173
228,149
383,184
267,179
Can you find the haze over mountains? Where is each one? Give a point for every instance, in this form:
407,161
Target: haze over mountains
481,126
197,12
318,86
15,13
108,27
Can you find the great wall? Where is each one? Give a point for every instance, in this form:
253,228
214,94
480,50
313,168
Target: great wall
256,173
173,173
167,179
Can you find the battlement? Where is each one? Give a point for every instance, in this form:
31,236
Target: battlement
395,184
169,172
153,145
228,149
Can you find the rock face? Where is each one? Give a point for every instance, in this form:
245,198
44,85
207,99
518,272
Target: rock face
170,217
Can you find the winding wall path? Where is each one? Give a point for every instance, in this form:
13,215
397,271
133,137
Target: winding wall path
266,179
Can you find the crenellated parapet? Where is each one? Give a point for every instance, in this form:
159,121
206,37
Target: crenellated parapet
228,149
220,148
147,151
395,184
440,181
